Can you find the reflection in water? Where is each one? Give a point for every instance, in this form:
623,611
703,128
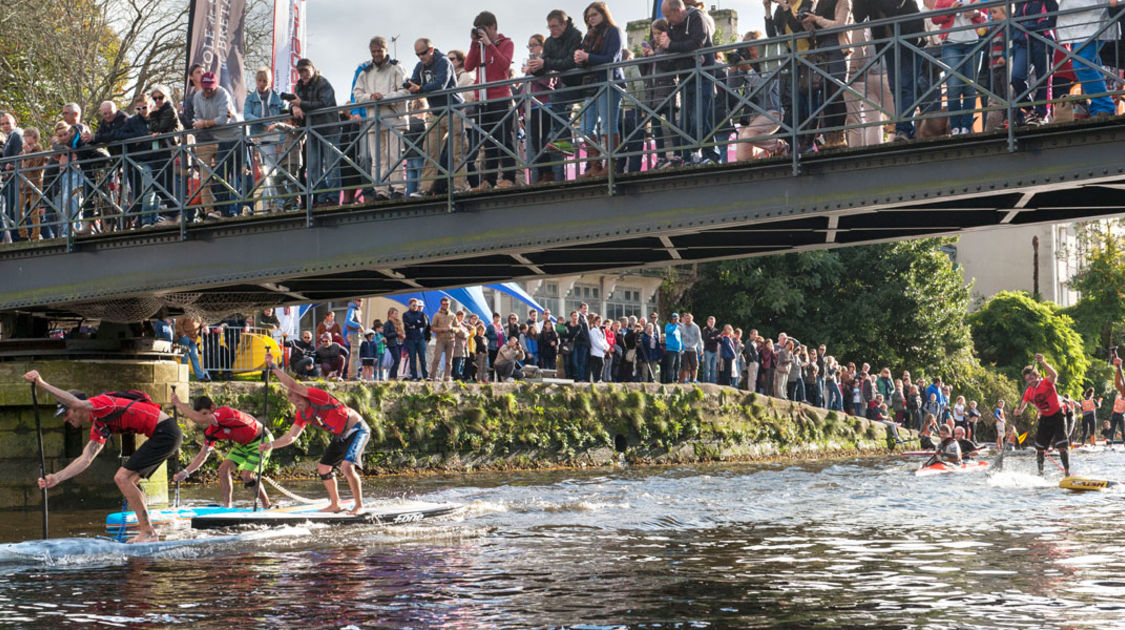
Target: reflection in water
818,546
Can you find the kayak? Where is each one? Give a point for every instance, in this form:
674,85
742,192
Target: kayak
983,448
940,468
1084,484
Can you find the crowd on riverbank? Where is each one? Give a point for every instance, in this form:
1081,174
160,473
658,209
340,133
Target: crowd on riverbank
204,159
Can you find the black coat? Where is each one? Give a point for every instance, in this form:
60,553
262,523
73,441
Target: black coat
558,54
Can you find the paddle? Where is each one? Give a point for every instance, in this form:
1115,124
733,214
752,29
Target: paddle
261,456
176,501
42,458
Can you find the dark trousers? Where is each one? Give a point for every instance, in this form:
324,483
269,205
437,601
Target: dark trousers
670,369
416,353
597,365
497,124
633,142
396,359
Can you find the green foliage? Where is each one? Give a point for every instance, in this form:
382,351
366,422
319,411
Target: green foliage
1012,327
899,304
1099,316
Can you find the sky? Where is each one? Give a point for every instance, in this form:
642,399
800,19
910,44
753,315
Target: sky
338,30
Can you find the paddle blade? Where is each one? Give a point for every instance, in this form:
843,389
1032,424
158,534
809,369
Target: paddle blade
1023,436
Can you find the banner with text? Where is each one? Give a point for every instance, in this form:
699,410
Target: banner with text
288,42
217,44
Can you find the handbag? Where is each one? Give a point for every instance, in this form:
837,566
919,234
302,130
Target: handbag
630,355
566,347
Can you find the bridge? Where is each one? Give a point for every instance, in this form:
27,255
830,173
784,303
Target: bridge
834,197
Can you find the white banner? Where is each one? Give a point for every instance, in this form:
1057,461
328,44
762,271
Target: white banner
288,42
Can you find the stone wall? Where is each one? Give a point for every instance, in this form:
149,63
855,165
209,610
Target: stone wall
19,452
462,427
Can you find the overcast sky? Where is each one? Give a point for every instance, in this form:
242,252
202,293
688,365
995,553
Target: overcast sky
338,30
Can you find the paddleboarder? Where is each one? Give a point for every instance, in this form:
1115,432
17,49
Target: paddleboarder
348,429
111,413
1117,418
225,423
1052,429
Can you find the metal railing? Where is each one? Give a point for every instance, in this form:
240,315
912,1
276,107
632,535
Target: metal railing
225,351
781,99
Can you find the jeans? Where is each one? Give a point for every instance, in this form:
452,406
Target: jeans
416,352
497,121
710,364
225,183
835,400
902,68
697,95
597,367
857,409
192,356
267,156
602,108
413,174
1092,80
323,166
961,59
1026,55
581,358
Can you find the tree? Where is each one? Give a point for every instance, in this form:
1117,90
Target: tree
898,304
1012,327
89,51
1099,315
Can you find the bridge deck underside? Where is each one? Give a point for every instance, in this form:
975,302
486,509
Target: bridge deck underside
888,193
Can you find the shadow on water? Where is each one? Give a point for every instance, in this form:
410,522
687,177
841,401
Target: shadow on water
822,545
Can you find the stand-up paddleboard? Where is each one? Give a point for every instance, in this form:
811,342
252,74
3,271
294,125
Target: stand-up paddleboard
940,468
116,521
1084,484
385,513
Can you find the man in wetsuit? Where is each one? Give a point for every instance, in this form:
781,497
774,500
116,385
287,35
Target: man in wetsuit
349,435
1052,423
224,423
109,414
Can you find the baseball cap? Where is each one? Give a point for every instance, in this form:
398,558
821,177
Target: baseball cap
368,332
675,315
61,409
208,79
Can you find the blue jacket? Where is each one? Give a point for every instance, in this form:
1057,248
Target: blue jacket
369,349
609,52
256,107
437,77
672,340
390,335
415,323
727,348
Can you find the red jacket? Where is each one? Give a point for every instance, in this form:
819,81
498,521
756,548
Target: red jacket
977,16
497,64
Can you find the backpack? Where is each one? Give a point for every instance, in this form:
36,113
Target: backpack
133,395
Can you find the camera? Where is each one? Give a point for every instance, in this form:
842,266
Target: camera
736,57
803,13
286,96
475,32
405,85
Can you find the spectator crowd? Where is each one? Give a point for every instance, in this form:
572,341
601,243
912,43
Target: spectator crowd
478,119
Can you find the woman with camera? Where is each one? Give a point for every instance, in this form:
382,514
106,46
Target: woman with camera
601,46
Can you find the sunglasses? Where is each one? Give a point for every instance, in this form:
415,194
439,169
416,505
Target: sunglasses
424,52
142,109
158,97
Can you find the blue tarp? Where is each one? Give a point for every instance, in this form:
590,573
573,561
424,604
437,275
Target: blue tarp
472,298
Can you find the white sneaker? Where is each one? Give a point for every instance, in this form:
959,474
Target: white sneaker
956,131
966,131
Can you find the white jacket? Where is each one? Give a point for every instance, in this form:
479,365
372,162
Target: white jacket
598,345
1080,27
387,80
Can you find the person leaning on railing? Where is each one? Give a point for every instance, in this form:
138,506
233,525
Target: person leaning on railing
904,66
31,186
601,46
10,188
218,143
382,79
688,31
558,57
433,78
833,49
759,120
162,121
313,104
189,328
1083,31
265,102
496,122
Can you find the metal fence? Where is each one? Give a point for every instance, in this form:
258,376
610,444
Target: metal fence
225,351
784,99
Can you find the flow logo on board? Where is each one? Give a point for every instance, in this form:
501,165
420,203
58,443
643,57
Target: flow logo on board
409,517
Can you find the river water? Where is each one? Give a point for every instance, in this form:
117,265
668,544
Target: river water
852,543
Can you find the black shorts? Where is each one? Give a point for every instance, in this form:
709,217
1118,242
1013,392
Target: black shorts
348,448
368,362
1052,432
163,444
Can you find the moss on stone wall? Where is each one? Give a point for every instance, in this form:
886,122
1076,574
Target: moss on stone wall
447,427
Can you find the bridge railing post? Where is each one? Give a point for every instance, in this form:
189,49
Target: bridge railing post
794,115
1010,93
